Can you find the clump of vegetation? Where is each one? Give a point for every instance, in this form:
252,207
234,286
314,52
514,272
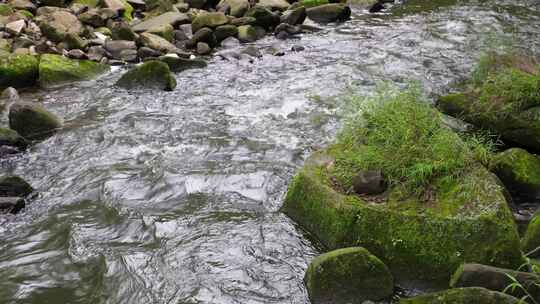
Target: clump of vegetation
400,133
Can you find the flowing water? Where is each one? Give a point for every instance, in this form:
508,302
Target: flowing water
174,197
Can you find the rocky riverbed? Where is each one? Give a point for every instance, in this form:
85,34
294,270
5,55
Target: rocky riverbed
155,196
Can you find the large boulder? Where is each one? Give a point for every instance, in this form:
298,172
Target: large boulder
503,96
349,275
151,74
333,12
56,24
56,70
519,171
14,186
470,295
497,279
32,121
436,213
210,20
18,71
170,18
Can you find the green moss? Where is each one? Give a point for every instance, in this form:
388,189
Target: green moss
128,11
503,97
531,240
26,13
469,295
5,9
18,71
151,74
56,69
348,275
32,121
309,3
519,171
12,138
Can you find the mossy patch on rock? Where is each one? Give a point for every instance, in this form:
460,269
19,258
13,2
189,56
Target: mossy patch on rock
5,9
519,171
442,207
56,70
503,96
470,295
9,137
531,239
151,74
348,275
18,71
32,121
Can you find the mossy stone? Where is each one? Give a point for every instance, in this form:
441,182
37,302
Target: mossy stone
151,74
5,9
211,20
177,64
348,275
519,171
18,71
468,295
415,239
88,3
263,17
14,186
56,69
531,239
165,31
32,121
225,31
9,137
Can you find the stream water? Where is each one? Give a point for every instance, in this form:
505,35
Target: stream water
174,197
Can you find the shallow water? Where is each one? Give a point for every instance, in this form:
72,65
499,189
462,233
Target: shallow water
174,197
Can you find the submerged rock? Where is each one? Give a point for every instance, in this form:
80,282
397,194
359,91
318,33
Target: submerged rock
18,71
151,74
469,295
9,137
329,13
32,121
519,171
11,204
497,279
14,186
349,275
56,70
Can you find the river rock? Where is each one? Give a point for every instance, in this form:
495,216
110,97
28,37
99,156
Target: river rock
203,48
225,31
97,17
122,31
329,13
115,47
15,27
14,186
146,52
77,54
203,35
177,64
274,5
531,239
165,31
5,9
23,5
151,74
519,171
11,205
9,137
243,21
348,275
369,182
496,279
120,7
237,8
263,17
57,24
210,20
171,18
96,53
56,70
32,121
294,16
503,97
9,94
18,71
157,43
469,295
250,33
73,41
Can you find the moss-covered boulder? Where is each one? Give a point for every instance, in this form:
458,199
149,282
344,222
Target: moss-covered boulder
329,13
14,186
56,70
503,96
151,74
9,137
470,295
18,71
32,121
349,275
519,171
442,207
263,17
531,239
